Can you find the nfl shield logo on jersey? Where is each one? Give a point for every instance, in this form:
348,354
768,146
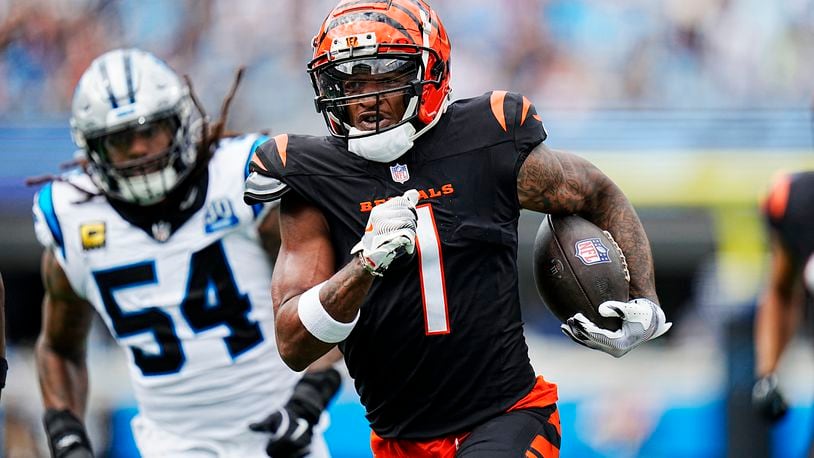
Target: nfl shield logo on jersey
161,231
591,251
399,173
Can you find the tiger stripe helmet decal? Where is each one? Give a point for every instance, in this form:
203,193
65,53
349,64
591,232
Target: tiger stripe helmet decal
382,29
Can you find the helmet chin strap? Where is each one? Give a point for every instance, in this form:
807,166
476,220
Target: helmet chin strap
386,146
391,144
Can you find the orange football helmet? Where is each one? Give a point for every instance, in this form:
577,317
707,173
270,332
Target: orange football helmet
401,45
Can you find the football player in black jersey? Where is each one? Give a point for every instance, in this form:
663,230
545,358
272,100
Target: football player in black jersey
790,215
399,240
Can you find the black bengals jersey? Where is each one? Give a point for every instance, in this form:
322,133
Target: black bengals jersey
439,344
790,212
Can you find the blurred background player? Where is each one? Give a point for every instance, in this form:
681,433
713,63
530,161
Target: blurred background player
3,362
789,209
459,381
153,234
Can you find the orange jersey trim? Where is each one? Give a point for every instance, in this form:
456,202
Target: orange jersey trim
526,106
258,163
497,98
282,146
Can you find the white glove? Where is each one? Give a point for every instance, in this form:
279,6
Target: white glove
642,320
389,233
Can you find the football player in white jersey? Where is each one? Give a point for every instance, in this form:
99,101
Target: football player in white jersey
153,233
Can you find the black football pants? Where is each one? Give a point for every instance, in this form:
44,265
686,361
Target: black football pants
524,433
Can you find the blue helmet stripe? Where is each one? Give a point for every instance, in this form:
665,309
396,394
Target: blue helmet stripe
256,208
45,201
128,73
108,86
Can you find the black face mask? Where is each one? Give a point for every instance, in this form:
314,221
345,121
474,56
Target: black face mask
125,180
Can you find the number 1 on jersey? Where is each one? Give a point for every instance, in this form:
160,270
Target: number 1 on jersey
431,273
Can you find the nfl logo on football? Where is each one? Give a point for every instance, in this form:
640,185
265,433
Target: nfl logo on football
399,173
591,251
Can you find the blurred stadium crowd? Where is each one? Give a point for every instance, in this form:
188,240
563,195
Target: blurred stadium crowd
751,59
572,53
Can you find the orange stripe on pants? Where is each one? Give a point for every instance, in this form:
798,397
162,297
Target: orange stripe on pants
545,448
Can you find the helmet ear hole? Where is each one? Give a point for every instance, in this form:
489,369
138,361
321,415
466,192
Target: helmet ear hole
437,73
438,69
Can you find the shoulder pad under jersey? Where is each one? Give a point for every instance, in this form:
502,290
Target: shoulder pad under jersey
262,188
261,185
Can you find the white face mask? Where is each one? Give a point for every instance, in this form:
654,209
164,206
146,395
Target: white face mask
141,189
386,146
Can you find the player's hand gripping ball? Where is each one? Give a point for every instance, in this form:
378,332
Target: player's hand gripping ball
582,276
577,267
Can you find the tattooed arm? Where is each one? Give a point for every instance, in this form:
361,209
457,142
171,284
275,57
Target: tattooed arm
306,259
561,183
61,346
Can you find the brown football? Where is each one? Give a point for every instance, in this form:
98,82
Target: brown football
577,267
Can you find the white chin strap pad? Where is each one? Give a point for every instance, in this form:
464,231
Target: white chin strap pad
386,146
391,144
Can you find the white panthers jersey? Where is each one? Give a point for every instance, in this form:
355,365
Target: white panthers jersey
193,313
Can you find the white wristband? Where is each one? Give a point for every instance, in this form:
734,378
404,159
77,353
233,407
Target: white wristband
318,321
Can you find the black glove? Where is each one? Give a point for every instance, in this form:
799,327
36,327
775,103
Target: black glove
767,400
66,435
292,425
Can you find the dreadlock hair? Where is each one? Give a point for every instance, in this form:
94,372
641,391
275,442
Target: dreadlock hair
78,162
212,135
